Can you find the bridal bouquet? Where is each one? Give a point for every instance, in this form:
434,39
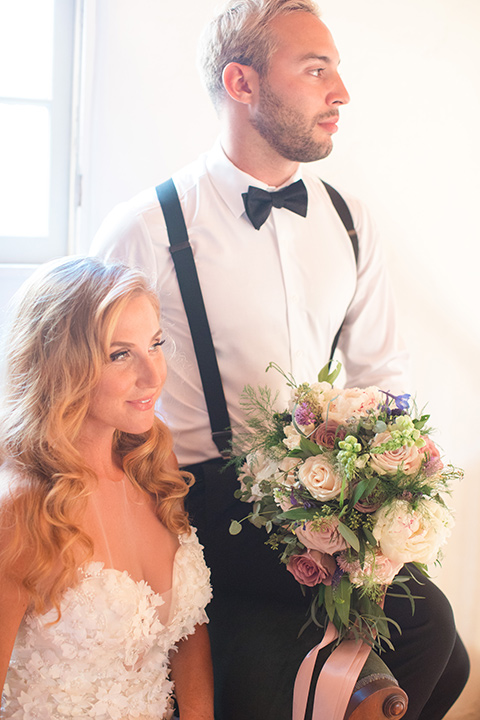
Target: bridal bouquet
349,487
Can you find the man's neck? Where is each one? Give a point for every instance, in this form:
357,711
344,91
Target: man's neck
256,158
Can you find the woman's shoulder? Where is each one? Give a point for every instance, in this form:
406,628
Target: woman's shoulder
191,555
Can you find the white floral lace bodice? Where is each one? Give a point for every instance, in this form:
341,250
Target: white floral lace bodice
107,658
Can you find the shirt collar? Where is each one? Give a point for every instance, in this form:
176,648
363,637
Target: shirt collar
230,182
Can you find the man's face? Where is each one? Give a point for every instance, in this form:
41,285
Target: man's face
299,97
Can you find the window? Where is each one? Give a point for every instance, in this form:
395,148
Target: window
36,57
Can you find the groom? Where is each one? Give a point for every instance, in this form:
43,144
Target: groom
279,278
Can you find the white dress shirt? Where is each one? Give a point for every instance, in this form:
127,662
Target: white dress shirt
275,294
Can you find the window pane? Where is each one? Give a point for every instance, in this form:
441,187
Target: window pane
24,170
26,45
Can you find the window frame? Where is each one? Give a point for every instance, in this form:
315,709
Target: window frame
58,242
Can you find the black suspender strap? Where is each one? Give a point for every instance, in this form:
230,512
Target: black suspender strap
346,217
190,290
191,293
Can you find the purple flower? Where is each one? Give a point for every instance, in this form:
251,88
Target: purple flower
337,576
401,403
304,415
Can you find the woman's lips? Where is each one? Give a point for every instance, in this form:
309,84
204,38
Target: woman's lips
143,403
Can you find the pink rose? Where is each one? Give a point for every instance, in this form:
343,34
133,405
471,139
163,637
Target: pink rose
327,432
377,568
318,476
406,458
432,454
326,539
312,568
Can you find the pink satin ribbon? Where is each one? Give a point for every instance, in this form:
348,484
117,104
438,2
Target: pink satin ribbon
336,680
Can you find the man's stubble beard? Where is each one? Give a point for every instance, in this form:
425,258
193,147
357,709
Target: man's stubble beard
287,131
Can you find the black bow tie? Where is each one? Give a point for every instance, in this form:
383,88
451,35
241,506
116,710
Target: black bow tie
258,202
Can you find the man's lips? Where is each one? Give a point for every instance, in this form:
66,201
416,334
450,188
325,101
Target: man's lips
329,124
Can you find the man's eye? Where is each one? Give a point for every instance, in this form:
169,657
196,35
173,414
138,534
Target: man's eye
317,72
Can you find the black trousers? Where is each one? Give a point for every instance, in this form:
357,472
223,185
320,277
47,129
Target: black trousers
258,609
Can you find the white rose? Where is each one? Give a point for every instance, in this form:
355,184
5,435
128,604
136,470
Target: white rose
286,476
261,466
321,390
292,437
407,535
319,477
246,484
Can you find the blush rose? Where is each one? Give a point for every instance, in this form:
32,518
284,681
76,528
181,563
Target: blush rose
408,459
318,476
326,539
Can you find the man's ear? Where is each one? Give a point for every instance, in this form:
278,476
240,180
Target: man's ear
240,82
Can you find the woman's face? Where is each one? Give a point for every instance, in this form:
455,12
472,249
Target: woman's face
134,375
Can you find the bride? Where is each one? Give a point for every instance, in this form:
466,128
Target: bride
102,581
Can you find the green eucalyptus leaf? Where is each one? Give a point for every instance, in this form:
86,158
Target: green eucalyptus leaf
235,527
257,520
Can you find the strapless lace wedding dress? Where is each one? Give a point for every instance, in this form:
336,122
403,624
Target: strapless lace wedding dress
108,656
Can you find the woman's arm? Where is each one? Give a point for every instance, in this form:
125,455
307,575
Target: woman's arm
191,671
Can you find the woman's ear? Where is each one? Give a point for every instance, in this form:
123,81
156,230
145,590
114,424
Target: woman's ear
240,82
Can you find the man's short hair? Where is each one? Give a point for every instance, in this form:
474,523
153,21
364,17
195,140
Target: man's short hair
241,33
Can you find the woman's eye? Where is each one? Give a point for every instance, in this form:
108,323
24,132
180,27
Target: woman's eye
120,355
158,343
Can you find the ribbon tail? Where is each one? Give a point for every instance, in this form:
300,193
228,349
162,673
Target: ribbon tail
336,681
305,672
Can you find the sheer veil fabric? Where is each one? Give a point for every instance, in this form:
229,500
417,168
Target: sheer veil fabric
127,536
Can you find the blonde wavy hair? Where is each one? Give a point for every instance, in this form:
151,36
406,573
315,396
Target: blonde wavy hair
56,349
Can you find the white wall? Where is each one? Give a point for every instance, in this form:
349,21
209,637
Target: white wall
408,145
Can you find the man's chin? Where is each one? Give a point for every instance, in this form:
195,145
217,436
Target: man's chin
307,155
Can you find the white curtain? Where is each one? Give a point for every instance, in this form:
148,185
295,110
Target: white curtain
408,145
